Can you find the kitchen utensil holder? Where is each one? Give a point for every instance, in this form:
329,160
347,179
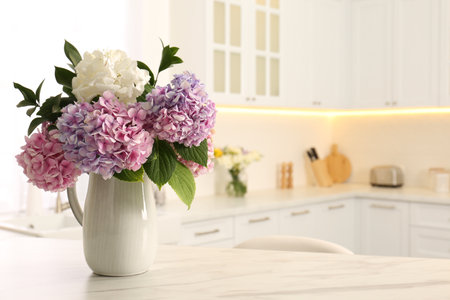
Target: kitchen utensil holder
320,170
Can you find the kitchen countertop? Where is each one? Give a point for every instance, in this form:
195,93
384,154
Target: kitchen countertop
55,269
222,206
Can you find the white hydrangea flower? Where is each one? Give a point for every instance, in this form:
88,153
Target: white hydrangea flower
111,71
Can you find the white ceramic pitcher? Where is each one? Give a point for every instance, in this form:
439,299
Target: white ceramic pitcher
119,225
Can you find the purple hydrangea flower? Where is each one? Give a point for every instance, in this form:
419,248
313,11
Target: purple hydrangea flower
105,137
181,112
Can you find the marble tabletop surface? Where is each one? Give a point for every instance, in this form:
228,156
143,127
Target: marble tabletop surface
208,207
55,269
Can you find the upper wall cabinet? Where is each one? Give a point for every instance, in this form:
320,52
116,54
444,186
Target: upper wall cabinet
395,48
235,45
316,53
327,67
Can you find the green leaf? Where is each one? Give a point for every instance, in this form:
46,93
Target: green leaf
26,93
161,163
197,154
147,89
26,103
168,57
143,66
38,91
52,127
53,117
129,175
51,105
35,123
68,91
72,53
64,77
183,183
66,101
30,111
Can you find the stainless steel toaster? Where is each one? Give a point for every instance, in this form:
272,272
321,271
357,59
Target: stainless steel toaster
386,176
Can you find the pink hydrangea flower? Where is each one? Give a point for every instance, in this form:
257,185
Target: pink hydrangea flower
105,137
44,164
181,112
197,169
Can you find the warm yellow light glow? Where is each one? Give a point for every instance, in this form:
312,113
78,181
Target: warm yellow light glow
331,113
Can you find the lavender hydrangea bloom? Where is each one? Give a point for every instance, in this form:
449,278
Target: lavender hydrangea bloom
181,112
105,137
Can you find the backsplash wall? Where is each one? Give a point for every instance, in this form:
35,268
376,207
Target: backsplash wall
278,138
414,142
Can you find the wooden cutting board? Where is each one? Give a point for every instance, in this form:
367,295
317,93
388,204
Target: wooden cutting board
339,166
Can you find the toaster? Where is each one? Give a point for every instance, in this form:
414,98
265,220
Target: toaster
386,176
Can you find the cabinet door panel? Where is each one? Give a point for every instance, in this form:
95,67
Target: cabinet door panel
426,242
255,225
329,41
384,228
371,53
338,223
299,221
417,52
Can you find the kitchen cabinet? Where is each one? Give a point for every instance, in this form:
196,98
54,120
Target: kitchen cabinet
236,48
256,225
384,227
430,230
395,53
329,40
338,223
207,232
316,72
299,220
333,221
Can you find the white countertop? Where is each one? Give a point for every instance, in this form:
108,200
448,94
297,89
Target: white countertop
55,269
221,206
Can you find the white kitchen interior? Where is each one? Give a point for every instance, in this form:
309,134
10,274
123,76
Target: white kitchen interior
372,76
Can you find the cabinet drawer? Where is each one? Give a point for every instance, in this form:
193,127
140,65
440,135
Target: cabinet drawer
255,225
206,231
299,220
434,216
426,242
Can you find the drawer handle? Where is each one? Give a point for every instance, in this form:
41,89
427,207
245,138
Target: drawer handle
382,206
300,213
259,220
332,207
207,232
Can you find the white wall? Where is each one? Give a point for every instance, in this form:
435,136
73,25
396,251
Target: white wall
415,142
278,138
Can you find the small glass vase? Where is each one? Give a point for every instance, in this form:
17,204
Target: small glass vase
237,184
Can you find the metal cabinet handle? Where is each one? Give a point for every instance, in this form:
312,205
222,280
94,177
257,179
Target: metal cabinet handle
382,206
332,207
253,99
207,232
247,98
387,103
259,220
299,213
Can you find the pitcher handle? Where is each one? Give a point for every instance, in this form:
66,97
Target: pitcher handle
75,205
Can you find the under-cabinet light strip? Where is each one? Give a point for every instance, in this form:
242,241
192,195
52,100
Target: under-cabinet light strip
331,113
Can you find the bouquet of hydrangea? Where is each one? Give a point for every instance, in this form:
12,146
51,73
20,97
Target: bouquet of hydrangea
116,122
235,160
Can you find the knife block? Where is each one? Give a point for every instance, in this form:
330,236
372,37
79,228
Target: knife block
320,170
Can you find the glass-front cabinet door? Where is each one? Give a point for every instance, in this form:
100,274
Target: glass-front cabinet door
244,51
264,54
226,41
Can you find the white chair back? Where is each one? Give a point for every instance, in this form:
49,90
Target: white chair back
293,243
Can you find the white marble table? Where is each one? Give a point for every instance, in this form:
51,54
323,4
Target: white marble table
55,269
